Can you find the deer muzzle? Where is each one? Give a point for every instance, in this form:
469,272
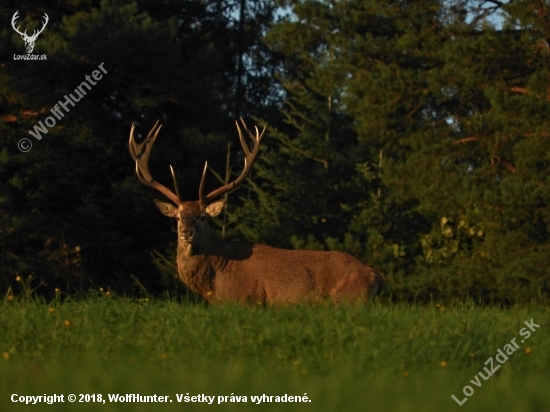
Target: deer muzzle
187,235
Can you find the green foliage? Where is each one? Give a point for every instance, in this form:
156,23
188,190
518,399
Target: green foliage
399,118
384,119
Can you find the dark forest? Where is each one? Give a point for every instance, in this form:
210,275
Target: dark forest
411,135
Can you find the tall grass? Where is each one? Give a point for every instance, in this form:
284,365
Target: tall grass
395,357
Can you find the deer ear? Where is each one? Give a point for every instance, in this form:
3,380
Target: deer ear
166,208
215,208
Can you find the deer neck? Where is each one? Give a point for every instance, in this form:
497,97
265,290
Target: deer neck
199,262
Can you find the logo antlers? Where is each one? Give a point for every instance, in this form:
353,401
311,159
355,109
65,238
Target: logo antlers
29,40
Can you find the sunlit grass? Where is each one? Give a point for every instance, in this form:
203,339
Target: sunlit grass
379,357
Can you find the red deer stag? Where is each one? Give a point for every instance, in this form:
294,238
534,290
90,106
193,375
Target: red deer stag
246,272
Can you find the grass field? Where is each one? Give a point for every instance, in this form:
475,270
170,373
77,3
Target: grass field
374,358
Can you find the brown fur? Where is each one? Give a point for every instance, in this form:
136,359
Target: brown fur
247,272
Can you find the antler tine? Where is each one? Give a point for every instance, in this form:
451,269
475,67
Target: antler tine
13,22
250,157
44,23
202,200
175,183
241,137
140,153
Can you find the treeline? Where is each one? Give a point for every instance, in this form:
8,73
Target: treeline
413,135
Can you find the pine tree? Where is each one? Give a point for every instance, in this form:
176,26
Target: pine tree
73,214
441,120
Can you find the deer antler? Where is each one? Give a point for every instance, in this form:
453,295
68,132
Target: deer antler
44,23
250,157
13,20
35,33
140,153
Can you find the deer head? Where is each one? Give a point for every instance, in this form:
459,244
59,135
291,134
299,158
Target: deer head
29,40
192,216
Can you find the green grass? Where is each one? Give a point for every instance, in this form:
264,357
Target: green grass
376,358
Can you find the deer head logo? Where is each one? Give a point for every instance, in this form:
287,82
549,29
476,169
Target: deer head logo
29,40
